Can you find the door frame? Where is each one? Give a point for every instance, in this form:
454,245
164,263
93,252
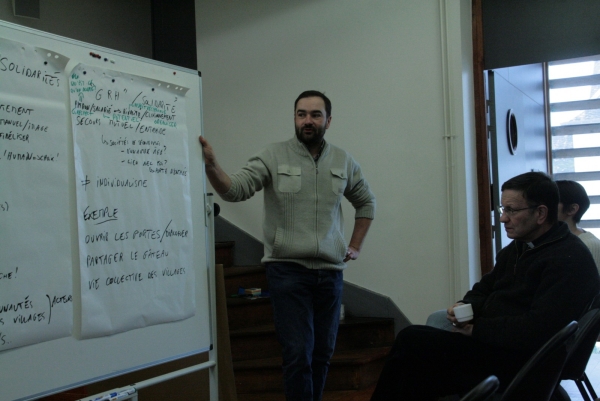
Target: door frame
484,191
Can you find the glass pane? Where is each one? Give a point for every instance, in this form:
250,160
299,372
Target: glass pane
584,164
574,118
586,141
591,187
559,118
575,164
570,70
562,142
563,166
579,141
572,94
593,213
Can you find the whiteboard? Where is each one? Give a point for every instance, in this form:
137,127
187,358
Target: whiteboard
64,356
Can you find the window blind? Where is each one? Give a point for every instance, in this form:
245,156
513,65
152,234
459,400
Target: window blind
574,104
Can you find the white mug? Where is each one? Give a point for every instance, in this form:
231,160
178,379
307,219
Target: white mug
463,313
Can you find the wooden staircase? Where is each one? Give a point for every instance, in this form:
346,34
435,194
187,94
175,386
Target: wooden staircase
362,343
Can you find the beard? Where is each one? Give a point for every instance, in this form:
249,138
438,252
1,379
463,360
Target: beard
312,138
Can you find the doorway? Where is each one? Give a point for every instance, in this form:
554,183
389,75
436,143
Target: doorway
517,128
505,34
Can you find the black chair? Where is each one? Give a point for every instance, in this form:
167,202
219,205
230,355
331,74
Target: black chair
483,390
538,378
595,304
579,352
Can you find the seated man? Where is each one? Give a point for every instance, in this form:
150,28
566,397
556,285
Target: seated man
574,202
544,279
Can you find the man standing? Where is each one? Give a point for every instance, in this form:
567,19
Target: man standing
544,279
574,202
304,180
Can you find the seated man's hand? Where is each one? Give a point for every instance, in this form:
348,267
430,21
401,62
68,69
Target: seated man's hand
450,316
465,328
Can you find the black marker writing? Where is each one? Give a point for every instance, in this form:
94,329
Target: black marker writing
104,214
9,275
85,183
32,317
52,301
175,272
142,129
147,233
92,108
34,127
152,254
11,136
7,66
17,306
173,233
14,123
103,260
18,110
112,142
102,237
121,182
124,278
29,156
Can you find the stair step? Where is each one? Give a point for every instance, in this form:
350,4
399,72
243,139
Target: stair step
245,277
362,343
245,312
354,332
344,395
349,370
370,332
224,253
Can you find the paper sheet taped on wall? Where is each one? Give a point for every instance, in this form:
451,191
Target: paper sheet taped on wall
36,302
133,200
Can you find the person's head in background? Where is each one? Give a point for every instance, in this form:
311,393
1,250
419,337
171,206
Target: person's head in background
574,202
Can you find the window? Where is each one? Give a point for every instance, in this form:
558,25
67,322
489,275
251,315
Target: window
574,95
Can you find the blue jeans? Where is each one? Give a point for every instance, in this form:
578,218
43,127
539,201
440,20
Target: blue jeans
306,309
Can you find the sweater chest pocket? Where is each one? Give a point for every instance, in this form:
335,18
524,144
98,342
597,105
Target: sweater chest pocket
338,181
289,178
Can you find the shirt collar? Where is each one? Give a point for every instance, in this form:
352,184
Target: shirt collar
316,158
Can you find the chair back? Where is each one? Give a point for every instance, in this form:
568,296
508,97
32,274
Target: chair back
483,390
582,346
538,377
595,304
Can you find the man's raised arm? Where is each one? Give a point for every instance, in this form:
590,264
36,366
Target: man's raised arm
217,177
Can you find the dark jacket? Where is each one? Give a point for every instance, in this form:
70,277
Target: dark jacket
534,292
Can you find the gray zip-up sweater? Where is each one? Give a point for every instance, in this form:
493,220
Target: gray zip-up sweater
303,220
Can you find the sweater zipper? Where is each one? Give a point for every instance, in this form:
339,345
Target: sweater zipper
316,189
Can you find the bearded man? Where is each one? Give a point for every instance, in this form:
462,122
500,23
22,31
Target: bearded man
305,252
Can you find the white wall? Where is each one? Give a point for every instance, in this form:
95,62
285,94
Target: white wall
399,74
121,25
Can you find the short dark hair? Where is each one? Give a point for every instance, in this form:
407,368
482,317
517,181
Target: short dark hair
573,192
538,189
313,93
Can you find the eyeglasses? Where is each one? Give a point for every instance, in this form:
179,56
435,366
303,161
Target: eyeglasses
509,211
